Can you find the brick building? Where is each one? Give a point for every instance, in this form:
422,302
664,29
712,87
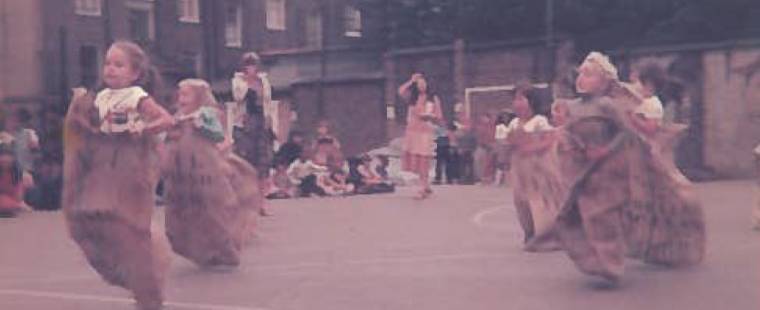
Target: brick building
50,46
330,59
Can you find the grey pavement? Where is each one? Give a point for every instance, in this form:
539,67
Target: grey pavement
459,250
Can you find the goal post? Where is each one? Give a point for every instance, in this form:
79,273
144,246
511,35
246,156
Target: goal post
485,98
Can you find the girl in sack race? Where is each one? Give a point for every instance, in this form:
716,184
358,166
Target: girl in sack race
212,195
624,197
111,169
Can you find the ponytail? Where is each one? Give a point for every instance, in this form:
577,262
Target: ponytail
150,78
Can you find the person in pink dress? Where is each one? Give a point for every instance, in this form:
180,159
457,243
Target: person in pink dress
419,138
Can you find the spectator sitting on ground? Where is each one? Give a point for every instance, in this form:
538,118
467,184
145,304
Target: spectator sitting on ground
380,166
282,185
11,183
375,184
334,183
365,180
49,180
327,148
291,150
303,173
25,140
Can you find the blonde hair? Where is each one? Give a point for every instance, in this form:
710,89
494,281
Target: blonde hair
603,63
202,91
250,59
148,76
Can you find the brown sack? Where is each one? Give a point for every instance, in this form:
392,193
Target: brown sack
212,199
108,201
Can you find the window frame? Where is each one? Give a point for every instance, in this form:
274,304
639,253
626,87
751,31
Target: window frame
352,22
314,30
238,42
276,15
189,11
149,7
82,8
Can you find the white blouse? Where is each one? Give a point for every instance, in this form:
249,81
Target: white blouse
651,108
123,101
535,124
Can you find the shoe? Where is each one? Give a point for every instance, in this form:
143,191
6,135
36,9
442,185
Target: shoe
423,194
264,212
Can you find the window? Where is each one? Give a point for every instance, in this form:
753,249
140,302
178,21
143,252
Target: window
188,11
141,20
275,14
87,7
314,30
88,65
233,29
352,19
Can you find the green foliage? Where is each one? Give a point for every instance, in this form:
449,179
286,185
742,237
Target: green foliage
592,23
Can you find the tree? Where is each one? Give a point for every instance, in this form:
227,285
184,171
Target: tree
600,24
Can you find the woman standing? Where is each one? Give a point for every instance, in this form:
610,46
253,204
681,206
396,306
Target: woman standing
253,135
419,137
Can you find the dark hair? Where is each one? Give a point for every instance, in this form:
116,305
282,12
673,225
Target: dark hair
414,92
653,74
23,115
504,118
149,77
535,100
294,134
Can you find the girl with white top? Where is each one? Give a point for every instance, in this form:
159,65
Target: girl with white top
111,170
530,135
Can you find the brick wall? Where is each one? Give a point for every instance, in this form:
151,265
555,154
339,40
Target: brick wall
354,108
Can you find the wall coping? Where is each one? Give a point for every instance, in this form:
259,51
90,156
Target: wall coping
685,47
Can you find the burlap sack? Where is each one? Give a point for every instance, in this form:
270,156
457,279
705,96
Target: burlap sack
108,201
212,199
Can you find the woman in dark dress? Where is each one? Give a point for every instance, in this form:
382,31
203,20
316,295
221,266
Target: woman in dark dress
253,134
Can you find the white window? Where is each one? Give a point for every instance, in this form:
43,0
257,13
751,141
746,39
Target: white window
314,29
188,11
275,14
88,7
233,29
141,20
352,20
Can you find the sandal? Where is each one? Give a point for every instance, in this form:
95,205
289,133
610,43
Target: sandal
423,194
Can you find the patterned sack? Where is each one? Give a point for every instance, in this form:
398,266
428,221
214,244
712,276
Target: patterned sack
212,199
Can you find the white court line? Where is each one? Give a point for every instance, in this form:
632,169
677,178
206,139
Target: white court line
425,258
478,218
382,261
106,299
49,279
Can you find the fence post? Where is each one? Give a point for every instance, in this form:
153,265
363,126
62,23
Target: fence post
460,82
389,70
